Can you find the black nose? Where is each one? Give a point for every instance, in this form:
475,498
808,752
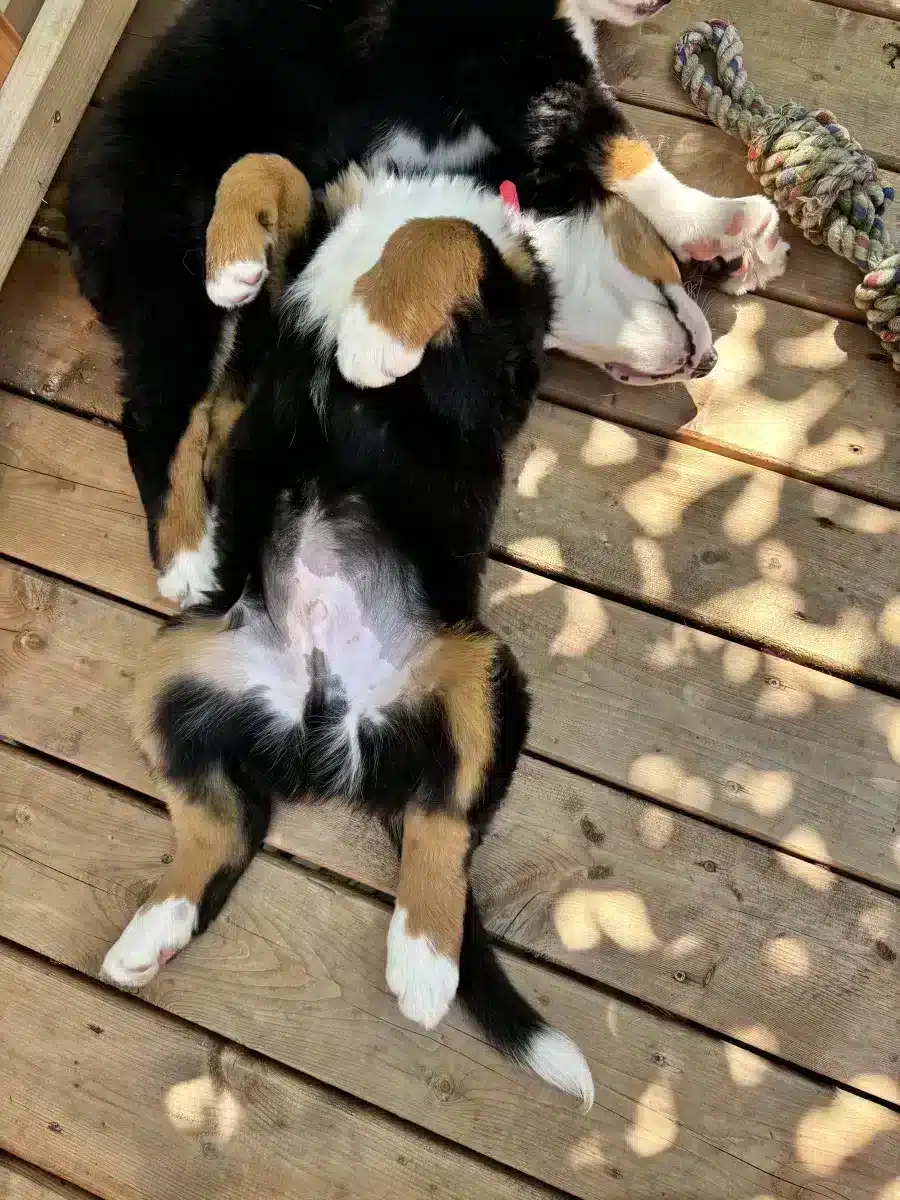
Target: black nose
705,365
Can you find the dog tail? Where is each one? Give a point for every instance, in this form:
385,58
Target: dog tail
509,1022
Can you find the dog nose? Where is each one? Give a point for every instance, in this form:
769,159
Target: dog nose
705,365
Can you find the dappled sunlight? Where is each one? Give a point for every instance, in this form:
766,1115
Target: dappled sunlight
582,917
655,1125
878,921
805,840
658,502
746,1068
588,1152
740,663
656,827
650,560
816,349
889,622
886,719
768,610
734,406
827,1137
755,512
788,958
891,1191
662,775
584,625
682,946
204,1107
608,446
544,550
765,792
524,584
537,466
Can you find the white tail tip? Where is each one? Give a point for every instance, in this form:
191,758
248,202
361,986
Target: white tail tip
557,1059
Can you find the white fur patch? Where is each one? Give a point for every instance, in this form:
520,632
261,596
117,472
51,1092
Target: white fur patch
367,354
423,980
152,936
191,575
237,283
557,1059
408,152
324,291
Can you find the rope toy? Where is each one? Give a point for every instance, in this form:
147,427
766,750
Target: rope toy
808,164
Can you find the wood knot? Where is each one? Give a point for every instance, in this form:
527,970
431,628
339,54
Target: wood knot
591,832
442,1086
23,814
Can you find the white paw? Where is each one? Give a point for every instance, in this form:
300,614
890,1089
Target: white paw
423,980
368,355
743,231
237,283
190,577
154,934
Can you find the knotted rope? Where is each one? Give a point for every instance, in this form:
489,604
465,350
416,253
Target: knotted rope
808,164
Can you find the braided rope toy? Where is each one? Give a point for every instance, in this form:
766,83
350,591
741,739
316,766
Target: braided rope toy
808,164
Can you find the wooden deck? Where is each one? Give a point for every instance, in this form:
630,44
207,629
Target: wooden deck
697,873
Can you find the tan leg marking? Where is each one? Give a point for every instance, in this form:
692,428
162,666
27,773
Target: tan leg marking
208,836
636,243
463,675
432,886
625,158
262,201
430,269
183,522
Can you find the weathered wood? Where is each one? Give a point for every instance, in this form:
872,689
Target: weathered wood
42,100
764,744
675,912
746,551
652,1132
794,390
788,563
133,1105
20,1180
793,50
51,343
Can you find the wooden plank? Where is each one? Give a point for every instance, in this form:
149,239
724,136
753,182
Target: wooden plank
652,1132
793,50
51,342
743,550
134,1105
22,1181
878,8
42,101
678,913
681,715
793,390
704,157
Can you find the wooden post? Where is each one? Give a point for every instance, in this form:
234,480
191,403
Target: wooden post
42,101
9,47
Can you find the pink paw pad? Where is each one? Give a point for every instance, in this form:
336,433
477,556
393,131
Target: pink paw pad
735,225
164,956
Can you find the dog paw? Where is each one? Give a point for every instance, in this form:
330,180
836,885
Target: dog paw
237,283
154,934
367,354
189,578
423,980
744,234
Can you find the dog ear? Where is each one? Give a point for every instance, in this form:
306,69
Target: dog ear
429,271
636,244
263,203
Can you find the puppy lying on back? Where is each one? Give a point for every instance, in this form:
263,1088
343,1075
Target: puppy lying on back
616,297
340,654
